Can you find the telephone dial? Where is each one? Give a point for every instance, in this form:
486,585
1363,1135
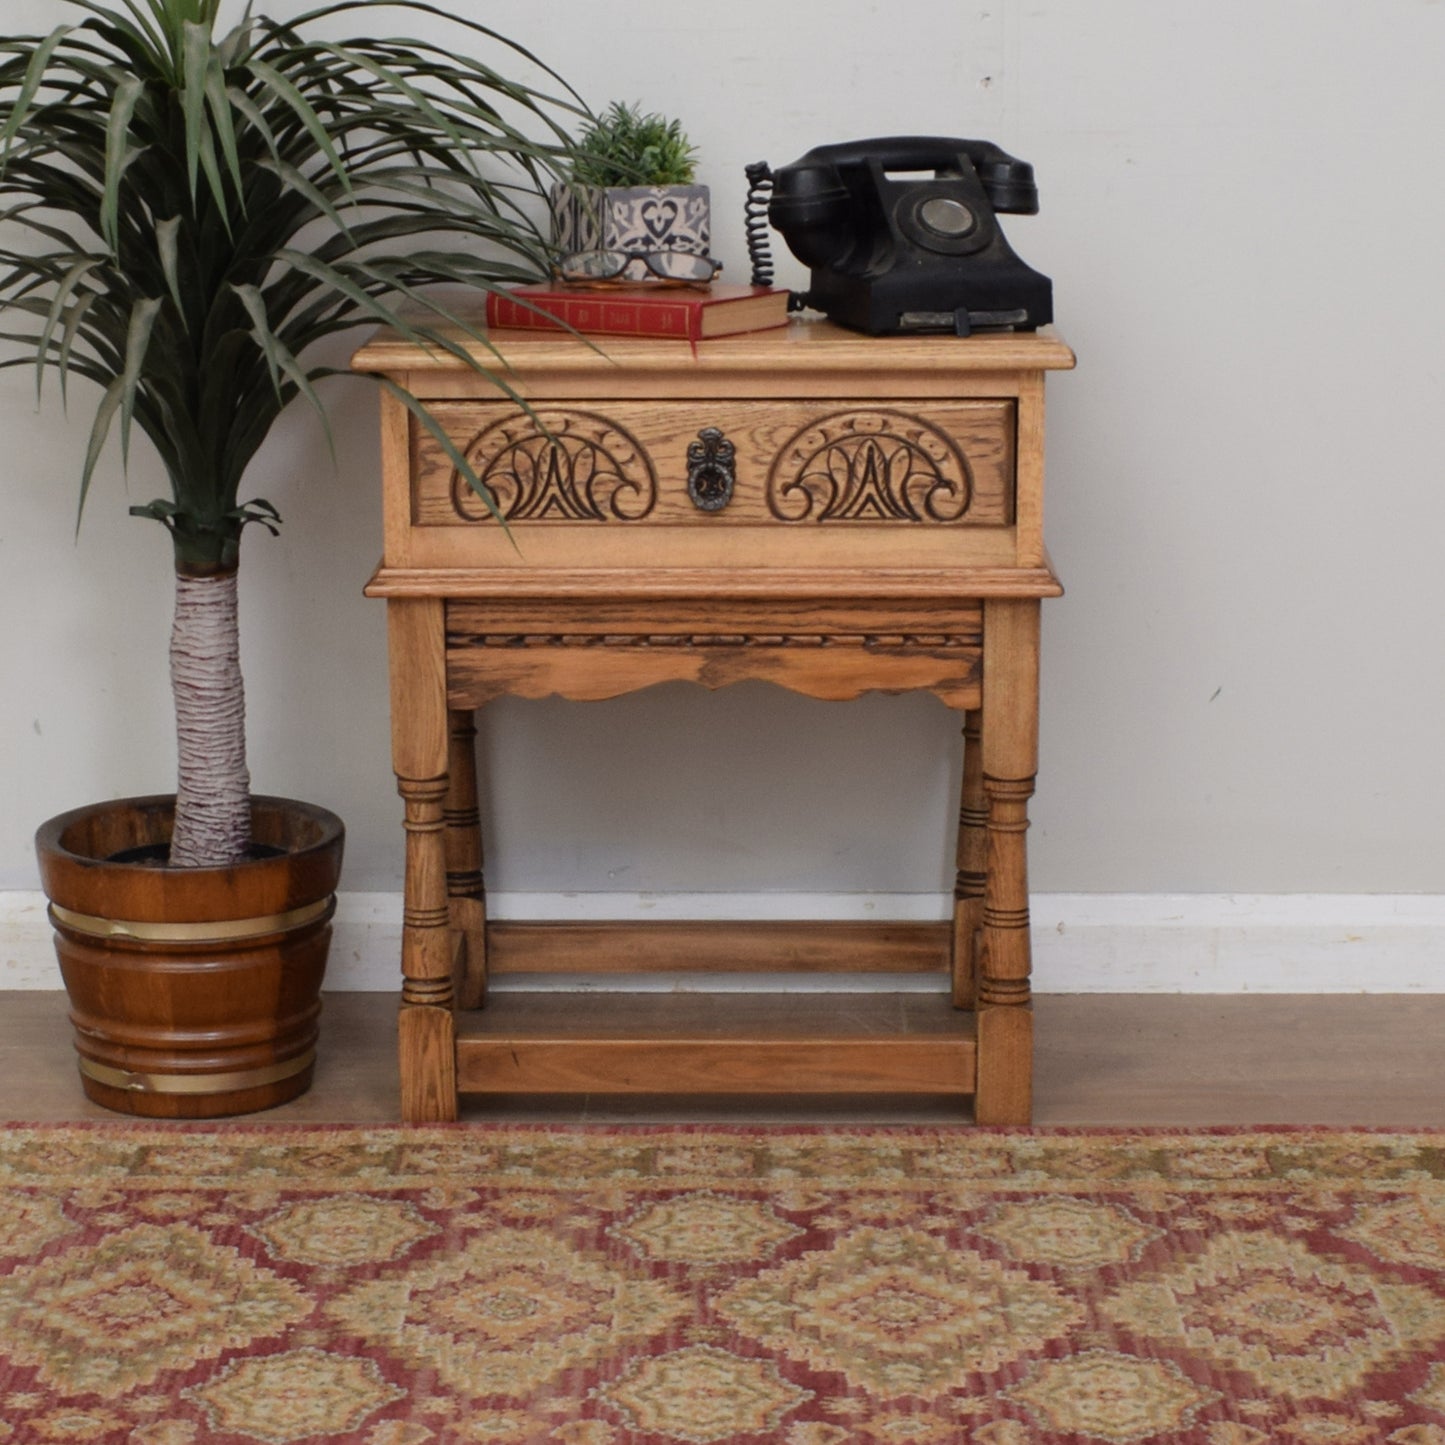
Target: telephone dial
901,234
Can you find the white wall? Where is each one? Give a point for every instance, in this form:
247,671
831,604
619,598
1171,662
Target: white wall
1242,213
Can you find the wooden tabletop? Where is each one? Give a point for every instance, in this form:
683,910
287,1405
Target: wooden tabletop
804,344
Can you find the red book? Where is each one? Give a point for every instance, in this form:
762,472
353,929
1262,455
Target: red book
723,309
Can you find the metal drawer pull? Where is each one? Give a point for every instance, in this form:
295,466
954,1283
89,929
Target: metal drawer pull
711,474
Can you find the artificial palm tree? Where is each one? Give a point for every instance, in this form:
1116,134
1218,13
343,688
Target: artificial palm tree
191,211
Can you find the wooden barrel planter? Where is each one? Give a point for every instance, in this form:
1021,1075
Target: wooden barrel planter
194,992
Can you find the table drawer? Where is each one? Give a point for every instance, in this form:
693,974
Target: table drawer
833,464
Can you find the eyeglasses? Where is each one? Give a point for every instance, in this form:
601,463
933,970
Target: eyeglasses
680,268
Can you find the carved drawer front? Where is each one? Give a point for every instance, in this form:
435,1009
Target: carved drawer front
836,463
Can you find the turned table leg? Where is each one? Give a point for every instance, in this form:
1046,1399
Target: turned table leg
1010,760
466,888
968,888
426,1035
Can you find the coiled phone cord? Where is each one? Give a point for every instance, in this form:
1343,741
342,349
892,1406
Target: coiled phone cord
755,221
755,224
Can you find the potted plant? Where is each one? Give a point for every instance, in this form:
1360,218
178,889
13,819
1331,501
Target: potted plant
191,211
632,189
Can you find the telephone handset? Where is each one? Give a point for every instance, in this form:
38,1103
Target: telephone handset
901,234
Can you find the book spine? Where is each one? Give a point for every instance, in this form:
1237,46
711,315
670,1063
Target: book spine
504,311
595,315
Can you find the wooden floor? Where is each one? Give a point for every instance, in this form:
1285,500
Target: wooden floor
1103,1059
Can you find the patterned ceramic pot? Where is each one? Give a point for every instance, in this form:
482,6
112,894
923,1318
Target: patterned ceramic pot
632,218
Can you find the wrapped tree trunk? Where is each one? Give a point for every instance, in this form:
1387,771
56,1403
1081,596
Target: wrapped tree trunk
213,787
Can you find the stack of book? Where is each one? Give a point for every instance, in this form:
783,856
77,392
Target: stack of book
721,309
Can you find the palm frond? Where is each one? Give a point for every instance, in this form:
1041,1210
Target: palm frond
195,212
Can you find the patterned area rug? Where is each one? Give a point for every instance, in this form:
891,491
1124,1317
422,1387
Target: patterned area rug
596,1286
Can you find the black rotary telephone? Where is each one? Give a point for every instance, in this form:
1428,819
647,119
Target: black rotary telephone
902,236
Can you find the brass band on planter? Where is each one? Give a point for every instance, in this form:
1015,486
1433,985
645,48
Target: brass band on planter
196,1083
221,931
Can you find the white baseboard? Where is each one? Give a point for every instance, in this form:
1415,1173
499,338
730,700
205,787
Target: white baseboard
1083,943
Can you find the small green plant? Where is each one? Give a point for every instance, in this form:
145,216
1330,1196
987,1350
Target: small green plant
623,147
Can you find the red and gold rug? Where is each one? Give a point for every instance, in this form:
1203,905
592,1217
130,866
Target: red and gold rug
646,1286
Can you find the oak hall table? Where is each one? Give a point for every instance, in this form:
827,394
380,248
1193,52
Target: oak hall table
830,512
